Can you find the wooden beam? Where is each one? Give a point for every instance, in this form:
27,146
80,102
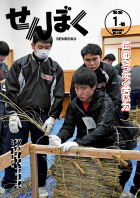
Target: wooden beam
72,70
135,29
10,58
89,152
34,171
5,160
103,48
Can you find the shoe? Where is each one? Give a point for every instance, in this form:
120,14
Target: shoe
128,195
42,192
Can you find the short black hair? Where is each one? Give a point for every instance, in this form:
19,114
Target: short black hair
92,49
84,76
4,48
36,38
111,57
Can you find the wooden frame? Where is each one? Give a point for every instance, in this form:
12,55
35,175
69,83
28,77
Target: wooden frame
67,82
119,52
77,151
10,58
5,160
67,79
34,149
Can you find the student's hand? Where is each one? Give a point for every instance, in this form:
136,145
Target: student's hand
49,124
2,82
14,123
67,146
54,140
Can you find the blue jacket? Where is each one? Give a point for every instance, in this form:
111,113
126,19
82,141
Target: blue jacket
4,73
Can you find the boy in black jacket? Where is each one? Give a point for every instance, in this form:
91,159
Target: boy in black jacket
107,79
92,112
35,84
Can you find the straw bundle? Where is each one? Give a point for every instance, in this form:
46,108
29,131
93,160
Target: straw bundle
134,116
73,183
24,191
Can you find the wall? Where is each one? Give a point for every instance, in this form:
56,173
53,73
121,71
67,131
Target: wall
5,28
66,53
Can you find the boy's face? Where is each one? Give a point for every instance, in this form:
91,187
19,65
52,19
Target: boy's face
2,58
92,61
84,92
41,46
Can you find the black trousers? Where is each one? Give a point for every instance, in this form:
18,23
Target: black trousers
3,128
126,172
136,180
8,180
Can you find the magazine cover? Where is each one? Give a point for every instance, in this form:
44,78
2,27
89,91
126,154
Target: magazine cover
69,98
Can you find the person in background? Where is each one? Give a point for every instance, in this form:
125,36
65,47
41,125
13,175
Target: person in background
36,85
119,69
135,87
107,79
135,189
4,51
129,132
109,58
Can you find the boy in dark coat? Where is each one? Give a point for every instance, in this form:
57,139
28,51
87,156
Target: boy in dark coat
36,85
92,112
107,79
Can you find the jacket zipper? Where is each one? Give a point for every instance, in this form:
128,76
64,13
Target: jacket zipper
38,72
80,109
84,115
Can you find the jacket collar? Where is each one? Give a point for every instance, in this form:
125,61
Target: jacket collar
51,64
98,69
95,103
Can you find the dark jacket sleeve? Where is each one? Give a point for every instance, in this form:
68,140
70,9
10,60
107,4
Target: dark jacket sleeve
104,126
119,69
12,87
58,94
67,130
112,87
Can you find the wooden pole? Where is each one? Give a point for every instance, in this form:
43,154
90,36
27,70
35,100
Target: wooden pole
89,152
34,171
103,48
116,157
5,160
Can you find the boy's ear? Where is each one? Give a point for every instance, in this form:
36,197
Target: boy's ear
32,46
94,87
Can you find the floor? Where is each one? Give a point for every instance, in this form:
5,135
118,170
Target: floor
25,165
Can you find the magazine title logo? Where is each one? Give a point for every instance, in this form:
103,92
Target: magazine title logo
61,26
